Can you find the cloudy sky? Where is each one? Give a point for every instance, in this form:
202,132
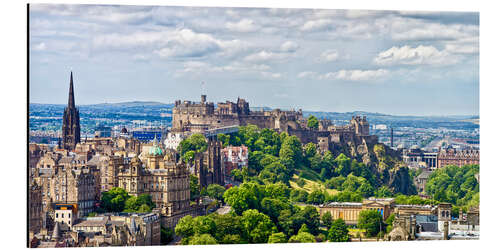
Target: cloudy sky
420,63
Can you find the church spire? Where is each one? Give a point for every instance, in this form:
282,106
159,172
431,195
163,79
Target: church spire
71,99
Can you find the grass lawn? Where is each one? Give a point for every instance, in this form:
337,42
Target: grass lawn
310,185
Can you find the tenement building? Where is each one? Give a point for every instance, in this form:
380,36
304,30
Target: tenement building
71,121
163,176
69,185
451,156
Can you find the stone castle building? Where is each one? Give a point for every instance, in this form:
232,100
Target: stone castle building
191,117
71,121
194,117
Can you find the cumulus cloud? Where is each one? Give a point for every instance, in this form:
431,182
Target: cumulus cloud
329,55
314,25
174,43
421,55
307,74
289,46
348,75
245,25
264,55
199,67
356,75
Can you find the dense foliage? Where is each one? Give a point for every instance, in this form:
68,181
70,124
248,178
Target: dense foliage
371,221
118,200
338,231
188,147
456,185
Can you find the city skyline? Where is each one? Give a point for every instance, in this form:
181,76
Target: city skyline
415,63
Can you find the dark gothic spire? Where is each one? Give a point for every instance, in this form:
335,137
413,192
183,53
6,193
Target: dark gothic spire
71,99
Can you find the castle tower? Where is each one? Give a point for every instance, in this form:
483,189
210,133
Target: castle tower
71,121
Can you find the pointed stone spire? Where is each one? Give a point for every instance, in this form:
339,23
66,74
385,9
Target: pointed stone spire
71,98
57,231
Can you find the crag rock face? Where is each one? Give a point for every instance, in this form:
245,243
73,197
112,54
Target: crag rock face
401,182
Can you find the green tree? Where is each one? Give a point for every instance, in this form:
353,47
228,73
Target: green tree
371,221
257,226
302,237
204,239
228,224
309,150
312,122
196,143
316,197
204,225
166,235
277,238
185,227
298,195
241,198
338,232
389,222
327,219
194,188
114,199
215,191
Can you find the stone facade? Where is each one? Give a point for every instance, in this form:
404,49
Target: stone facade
194,117
451,156
162,176
35,207
76,185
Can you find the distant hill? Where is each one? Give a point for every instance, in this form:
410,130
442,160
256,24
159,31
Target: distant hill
130,104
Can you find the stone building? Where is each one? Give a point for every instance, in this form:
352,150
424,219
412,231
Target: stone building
122,229
163,176
75,185
35,207
421,181
71,121
194,117
418,157
234,157
451,156
108,170
208,166
349,211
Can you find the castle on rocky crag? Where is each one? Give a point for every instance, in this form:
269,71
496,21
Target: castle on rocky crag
353,139
195,117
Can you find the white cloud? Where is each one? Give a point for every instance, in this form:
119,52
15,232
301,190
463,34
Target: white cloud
263,56
356,75
245,25
421,55
289,46
329,55
271,75
349,75
39,47
199,67
166,44
307,74
463,46
313,25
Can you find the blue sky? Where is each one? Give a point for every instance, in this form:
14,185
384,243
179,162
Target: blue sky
396,62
